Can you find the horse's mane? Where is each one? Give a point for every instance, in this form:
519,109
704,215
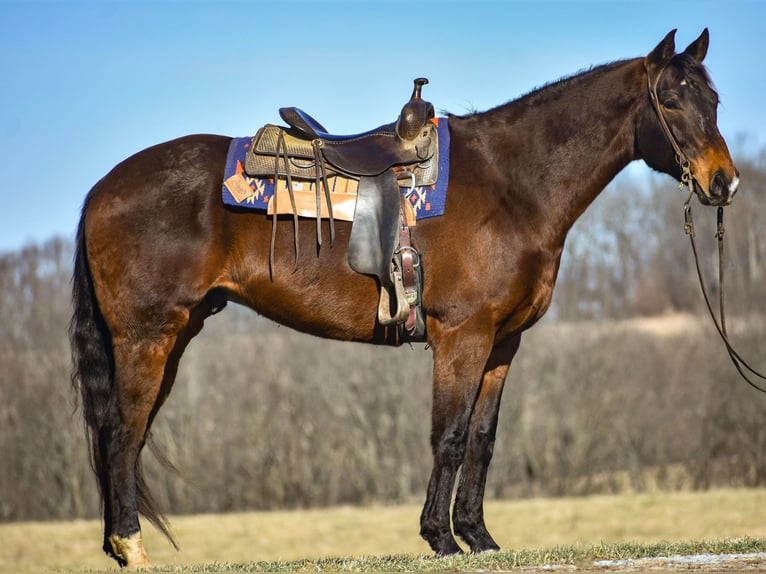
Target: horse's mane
688,65
555,87
549,89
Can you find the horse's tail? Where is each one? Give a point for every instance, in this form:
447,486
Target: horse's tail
92,360
93,379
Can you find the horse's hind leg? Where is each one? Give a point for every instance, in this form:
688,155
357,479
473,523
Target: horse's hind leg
145,368
468,512
139,368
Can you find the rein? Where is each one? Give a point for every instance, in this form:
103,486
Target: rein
742,366
687,180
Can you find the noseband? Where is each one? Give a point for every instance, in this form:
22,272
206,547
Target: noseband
687,180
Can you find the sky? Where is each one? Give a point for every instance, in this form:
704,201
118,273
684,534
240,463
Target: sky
83,85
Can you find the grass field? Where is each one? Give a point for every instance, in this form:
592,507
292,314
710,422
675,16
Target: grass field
520,525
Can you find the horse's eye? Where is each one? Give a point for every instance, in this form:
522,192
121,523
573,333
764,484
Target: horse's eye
671,105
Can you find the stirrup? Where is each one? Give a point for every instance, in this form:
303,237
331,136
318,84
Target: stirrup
402,306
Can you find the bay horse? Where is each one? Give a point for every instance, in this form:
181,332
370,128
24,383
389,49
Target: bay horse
157,253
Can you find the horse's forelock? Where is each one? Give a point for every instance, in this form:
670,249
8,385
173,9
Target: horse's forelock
694,69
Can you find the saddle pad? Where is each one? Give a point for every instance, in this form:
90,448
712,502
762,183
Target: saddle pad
245,192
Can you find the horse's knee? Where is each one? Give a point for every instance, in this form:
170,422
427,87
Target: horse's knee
449,448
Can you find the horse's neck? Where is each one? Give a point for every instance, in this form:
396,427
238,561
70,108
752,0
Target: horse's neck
557,148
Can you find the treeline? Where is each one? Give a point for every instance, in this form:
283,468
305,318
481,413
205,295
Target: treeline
628,255
624,386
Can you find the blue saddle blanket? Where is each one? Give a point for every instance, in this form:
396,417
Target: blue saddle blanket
426,201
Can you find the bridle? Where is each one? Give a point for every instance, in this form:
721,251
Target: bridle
687,180
683,162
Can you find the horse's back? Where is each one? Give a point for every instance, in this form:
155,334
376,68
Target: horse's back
166,169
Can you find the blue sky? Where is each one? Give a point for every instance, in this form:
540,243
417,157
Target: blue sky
85,84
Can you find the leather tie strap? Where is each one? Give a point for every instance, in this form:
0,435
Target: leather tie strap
282,149
321,178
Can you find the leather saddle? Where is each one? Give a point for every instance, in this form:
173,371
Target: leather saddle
401,154
408,145
410,140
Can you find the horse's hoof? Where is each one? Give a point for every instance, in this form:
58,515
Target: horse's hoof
448,548
485,544
490,550
129,552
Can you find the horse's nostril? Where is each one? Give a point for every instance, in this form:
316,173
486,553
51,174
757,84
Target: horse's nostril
718,185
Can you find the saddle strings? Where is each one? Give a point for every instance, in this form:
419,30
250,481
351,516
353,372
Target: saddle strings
320,181
321,177
282,148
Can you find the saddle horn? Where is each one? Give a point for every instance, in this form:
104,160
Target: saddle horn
415,113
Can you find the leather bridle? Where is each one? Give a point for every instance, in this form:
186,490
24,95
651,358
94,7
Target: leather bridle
687,180
681,159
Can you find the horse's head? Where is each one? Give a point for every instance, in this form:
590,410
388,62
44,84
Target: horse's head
679,128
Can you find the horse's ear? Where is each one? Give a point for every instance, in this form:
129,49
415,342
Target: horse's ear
698,48
661,55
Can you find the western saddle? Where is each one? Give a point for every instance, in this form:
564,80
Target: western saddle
395,156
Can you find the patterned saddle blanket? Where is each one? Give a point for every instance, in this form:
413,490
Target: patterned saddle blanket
245,192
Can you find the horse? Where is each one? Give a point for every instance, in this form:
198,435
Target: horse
157,254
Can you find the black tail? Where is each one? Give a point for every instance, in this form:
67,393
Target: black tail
93,379
92,360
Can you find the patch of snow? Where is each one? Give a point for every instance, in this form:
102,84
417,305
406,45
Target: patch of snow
693,559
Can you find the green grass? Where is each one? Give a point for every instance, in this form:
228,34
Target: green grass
579,556
381,538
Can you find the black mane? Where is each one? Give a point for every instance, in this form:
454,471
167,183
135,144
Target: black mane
550,89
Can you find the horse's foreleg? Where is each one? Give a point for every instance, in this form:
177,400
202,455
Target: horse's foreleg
468,512
139,370
459,358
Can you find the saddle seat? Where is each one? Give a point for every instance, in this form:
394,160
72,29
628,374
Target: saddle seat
409,140
309,128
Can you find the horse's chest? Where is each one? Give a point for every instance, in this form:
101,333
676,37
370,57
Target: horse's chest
530,291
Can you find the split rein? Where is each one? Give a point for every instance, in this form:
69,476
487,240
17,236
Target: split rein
687,180
742,366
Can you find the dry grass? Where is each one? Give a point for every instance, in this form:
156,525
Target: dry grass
267,536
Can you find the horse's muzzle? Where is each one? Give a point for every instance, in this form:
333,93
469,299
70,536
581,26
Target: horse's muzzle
721,189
